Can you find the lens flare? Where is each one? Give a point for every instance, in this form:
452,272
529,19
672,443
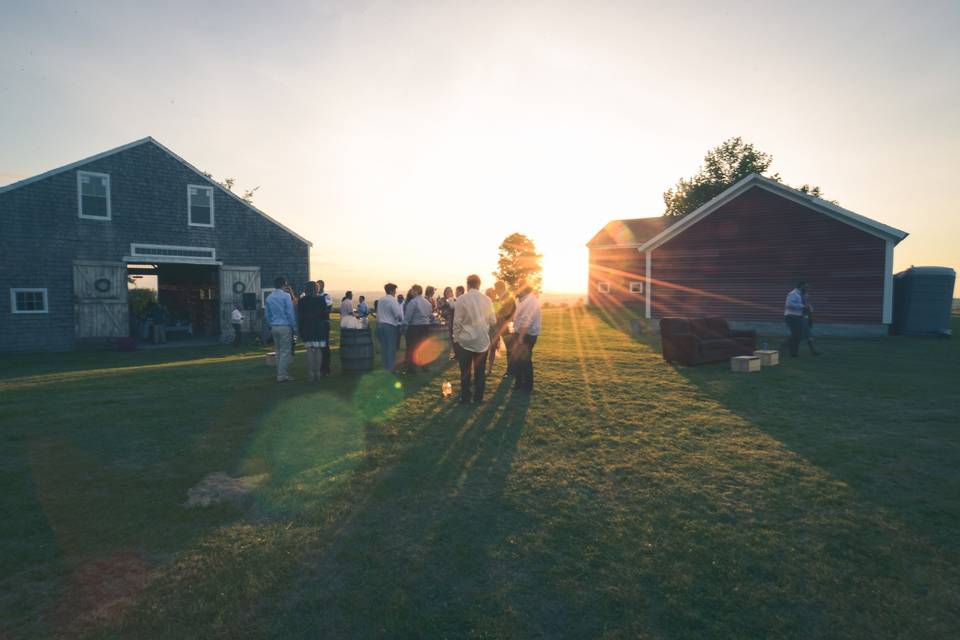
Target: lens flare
428,351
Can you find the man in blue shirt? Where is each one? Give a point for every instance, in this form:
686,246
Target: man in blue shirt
283,324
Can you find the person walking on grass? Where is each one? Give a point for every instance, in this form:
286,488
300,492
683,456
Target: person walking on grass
313,320
473,316
526,324
283,324
417,313
389,319
504,307
793,316
236,319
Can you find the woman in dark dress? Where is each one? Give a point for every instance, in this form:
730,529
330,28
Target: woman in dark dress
313,318
807,333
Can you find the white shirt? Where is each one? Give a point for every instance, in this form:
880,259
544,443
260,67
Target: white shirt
472,319
794,304
527,317
236,317
388,311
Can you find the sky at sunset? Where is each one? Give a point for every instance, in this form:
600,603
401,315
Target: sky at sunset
406,139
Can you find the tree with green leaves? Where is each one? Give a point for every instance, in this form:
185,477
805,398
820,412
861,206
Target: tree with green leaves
518,260
723,166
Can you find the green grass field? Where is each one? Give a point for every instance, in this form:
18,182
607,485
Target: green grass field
625,499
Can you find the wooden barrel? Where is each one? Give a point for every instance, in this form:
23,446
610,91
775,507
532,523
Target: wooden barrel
356,349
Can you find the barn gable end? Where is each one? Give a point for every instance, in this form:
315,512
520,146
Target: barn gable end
44,239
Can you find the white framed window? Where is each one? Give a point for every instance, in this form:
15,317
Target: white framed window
264,294
93,195
636,286
28,301
199,205
603,287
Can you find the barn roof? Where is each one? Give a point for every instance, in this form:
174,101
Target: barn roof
820,205
646,234
137,143
629,233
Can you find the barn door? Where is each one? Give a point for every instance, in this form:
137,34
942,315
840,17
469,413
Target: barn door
100,299
234,283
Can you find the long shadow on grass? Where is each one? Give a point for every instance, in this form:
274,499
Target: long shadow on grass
878,414
418,555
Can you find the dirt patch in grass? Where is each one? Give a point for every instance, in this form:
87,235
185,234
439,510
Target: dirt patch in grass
100,590
219,487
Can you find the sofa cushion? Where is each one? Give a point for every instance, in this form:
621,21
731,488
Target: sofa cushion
673,326
702,328
718,326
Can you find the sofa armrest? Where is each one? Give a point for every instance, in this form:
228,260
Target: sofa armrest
745,333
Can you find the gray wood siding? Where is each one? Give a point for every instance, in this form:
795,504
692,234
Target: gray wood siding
41,235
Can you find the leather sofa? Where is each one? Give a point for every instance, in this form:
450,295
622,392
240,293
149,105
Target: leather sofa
693,341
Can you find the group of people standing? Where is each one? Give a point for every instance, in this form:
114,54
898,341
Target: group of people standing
476,322
309,319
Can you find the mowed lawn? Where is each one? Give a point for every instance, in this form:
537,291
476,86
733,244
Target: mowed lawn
625,499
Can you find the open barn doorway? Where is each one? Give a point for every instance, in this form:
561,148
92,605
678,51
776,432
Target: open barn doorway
172,302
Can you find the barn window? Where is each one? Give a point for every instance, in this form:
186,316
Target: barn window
636,286
603,287
28,300
200,206
93,195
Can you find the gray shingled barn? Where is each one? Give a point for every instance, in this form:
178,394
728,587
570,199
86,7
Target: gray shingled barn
70,237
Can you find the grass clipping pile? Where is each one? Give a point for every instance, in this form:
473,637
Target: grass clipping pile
219,487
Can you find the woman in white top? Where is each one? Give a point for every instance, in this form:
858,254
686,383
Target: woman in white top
347,319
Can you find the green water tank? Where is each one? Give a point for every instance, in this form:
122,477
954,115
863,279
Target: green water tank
922,300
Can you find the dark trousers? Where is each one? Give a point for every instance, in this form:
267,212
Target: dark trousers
325,338
236,334
523,363
795,324
472,365
416,334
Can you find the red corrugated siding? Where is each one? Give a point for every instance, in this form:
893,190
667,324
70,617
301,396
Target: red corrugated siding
618,267
740,261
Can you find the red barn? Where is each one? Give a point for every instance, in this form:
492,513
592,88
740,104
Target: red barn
738,255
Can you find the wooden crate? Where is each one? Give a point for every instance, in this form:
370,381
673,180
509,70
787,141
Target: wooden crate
768,358
745,364
270,359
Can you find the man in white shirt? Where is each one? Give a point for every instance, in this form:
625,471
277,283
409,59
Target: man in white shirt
472,318
389,319
526,325
793,315
236,319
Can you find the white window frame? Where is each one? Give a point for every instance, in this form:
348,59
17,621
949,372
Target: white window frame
13,300
91,174
264,294
603,287
190,221
639,287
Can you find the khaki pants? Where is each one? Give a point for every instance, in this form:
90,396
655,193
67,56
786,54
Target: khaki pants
314,362
283,341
